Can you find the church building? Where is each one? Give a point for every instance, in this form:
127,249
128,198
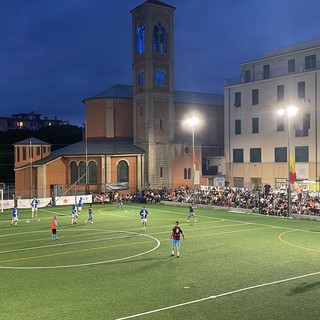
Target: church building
137,135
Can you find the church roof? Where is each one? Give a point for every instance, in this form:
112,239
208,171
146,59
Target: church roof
180,96
94,147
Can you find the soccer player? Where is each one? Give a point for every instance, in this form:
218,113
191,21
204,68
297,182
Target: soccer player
54,228
90,214
175,239
79,205
74,214
15,218
34,208
144,215
120,203
191,214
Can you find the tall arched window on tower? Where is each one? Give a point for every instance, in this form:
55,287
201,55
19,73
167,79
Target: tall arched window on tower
73,172
161,78
123,171
82,172
92,173
159,38
141,38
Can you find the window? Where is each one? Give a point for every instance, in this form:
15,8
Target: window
38,151
255,125
280,155
280,92
266,71
24,153
255,154
140,38
255,97
161,172
302,154
18,154
92,172
141,79
161,124
237,99
44,149
238,182
291,65
82,172
304,132
123,171
237,155
161,78
159,41
280,124
310,62
247,76
187,173
301,90
238,126
73,172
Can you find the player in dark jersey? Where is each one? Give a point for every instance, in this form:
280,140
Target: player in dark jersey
192,214
175,239
144,216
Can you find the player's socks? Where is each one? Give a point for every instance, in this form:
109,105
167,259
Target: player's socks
172,253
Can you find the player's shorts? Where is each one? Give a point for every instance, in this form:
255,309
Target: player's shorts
34,209
143,219
74,215
15,219
54,231
192,214
79,208
90,216
175,243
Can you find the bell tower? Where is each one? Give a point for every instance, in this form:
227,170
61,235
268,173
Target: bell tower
153,89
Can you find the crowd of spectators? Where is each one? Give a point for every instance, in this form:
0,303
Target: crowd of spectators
263,200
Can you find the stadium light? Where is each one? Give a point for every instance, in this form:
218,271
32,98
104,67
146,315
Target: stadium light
289,112
192,122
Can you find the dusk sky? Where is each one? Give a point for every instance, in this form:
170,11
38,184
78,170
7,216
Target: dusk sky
55,53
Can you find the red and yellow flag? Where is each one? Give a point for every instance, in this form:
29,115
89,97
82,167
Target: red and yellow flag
293,174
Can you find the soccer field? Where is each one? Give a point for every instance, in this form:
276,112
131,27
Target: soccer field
232,266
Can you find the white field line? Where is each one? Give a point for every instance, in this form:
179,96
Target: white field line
218,296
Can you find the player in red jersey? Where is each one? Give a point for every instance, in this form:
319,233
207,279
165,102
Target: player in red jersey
175,239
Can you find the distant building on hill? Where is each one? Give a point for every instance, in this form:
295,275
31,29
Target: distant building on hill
29,121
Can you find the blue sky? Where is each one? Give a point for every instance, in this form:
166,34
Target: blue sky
53,54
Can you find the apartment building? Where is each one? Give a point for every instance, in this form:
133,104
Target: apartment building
258,140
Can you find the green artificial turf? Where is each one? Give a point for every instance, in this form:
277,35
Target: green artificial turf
232,266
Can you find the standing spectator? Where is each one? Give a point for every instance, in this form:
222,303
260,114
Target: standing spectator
175,239
267,188
90,214
144,215
191,214
15,218
54,228
34,208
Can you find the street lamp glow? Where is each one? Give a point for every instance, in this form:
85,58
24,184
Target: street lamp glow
290,111
192,121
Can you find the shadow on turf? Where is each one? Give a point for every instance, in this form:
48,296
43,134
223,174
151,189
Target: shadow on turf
304,287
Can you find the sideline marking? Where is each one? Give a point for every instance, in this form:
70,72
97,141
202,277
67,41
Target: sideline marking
219,295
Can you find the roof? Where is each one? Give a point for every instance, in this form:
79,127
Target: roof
159,3
126,92
31,140
94,147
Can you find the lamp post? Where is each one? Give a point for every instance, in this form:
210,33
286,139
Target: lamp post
290,112
192,122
